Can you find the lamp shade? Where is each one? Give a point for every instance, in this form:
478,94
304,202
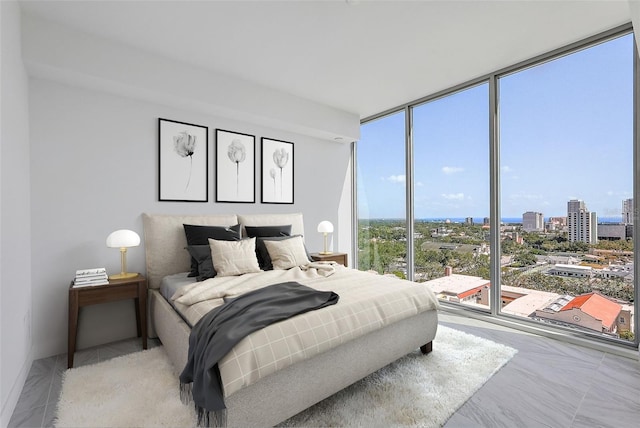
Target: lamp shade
123,238
325,227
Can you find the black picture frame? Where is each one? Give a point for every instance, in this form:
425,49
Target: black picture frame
277,167
235,167
183,161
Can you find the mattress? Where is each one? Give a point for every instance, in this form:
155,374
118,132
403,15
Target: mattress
172,283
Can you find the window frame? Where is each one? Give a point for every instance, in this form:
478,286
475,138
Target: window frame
494,182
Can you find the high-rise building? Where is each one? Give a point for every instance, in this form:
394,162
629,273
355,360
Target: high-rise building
627,211
532,222
468,220
583,225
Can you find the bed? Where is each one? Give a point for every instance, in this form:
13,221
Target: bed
278,394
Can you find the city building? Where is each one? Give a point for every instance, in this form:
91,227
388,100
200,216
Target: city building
519,301
556,223
583,225
571,271
612,232
532,222
458,288
627,211
591,311
468,220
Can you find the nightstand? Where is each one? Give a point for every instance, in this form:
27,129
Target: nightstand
117,289
336,257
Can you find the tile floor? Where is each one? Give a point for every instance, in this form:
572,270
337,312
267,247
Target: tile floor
37,403
547,384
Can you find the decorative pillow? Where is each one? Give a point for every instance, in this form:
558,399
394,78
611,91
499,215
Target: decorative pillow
287,253
266,231
264,260
202,255
234,257
198,235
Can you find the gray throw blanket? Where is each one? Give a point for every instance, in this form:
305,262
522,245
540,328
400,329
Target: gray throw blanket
219,330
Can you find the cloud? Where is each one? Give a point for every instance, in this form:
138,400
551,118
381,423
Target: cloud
400,178
452,169
453,196
526,196
506,169
619,193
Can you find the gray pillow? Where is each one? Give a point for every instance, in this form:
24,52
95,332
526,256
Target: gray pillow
204,264
199,234
265,231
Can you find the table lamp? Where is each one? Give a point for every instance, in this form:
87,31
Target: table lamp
123,239
325,227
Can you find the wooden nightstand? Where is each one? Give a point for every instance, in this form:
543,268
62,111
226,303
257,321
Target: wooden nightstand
336,257
117,289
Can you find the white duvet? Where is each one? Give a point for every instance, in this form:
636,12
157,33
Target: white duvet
367,302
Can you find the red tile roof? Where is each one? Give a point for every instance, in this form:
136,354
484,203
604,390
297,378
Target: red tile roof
471,292
597,306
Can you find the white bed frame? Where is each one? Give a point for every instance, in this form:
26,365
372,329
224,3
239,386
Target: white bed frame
287,392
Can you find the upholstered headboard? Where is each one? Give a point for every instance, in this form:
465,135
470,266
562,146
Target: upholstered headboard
165,241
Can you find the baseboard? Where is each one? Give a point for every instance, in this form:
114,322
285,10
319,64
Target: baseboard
16,389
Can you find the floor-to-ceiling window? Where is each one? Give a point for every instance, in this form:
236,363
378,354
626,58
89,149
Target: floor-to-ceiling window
381,164
566,162
451,194
560,144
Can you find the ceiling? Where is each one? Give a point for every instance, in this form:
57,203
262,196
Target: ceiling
359,56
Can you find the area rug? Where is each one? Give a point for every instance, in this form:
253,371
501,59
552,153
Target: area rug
141,389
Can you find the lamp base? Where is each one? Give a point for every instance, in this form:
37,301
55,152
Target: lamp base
325,253
123,275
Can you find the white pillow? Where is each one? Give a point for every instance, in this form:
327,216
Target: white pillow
287,253
234,257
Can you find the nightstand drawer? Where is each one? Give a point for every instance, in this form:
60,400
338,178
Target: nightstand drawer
107,293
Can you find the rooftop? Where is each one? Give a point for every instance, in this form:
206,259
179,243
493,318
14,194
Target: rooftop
529,302
456,283
597,306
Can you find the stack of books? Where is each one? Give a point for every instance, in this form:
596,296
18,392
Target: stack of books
89,277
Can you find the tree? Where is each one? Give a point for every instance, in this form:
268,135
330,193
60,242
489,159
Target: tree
626,334
524,258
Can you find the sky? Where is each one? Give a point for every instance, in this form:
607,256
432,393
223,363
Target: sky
566,132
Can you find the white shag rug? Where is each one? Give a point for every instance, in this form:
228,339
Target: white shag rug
141,389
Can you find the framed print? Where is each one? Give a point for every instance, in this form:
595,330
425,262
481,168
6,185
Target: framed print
183,161
235,167
277,172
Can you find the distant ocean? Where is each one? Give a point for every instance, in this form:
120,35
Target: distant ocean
480,220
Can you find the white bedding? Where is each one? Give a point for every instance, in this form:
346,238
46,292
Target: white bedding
367,302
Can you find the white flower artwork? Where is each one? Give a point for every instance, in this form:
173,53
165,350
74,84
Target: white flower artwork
235,167
185,145
183,161
277,171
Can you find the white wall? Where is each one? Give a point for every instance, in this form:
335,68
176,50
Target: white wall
60,53
94,106
15,225
94,168
79,156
